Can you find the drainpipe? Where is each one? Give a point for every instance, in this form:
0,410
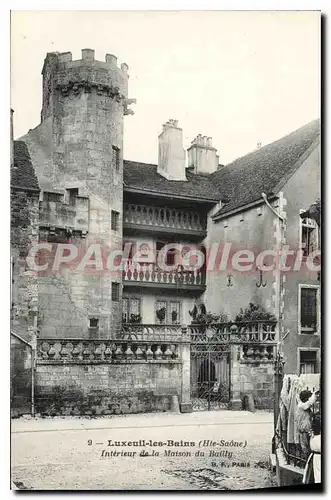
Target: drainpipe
282,226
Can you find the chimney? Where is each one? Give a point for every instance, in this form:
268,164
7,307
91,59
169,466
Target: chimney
202,156
171,164
11,138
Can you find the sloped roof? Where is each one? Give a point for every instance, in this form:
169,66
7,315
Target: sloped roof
263,170
144,176
239,183
22,173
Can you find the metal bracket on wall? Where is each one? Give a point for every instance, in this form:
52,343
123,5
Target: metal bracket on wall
261,282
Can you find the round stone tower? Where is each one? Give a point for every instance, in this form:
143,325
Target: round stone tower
84,102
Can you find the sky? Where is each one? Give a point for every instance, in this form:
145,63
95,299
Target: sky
242,78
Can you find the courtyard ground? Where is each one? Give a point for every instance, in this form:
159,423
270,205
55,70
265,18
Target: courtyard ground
88,453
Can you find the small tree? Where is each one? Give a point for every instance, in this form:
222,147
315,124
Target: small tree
254,313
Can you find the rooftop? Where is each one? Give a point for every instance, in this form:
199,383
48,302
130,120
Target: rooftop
237,184
22,173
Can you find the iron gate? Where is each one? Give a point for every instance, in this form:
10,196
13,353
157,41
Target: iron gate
210,372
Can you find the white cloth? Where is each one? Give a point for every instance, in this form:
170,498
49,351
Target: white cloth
315,446
310,381
314,462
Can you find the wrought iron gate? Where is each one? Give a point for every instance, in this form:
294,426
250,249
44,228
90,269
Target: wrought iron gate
210,370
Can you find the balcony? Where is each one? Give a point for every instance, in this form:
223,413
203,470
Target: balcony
53,212
150,275
162,219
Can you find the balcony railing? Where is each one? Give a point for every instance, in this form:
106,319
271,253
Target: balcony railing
151,274
162,217
256,339
152,332
260,331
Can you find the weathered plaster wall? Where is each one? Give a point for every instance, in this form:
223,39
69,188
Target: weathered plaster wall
243,230
301,190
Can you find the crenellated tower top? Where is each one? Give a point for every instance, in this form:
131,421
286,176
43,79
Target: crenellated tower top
62,74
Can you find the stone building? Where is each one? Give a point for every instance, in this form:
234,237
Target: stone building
116,340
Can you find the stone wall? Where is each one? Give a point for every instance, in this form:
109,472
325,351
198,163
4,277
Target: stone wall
20,377
79,145
108,377
24,234
257,378
252,371
105,389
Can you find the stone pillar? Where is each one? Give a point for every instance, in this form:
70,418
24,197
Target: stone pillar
185,351
235,399
278,383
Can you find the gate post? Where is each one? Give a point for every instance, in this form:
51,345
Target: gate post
185,403
235,399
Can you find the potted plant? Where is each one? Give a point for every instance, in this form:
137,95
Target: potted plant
161,314
254,313
135,318
174,316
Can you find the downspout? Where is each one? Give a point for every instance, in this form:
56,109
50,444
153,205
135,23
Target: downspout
282,226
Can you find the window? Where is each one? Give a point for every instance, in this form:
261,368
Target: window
115,220
58,236
174,313
115,292
308,361
131,310
308,306
170,257
309,236
71,195
167,312
94,323
161,312
116,157
49,196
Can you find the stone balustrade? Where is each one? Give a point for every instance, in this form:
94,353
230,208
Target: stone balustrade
151,273
162,217
257,353
80,351
146,342
166,333
256,340
259,331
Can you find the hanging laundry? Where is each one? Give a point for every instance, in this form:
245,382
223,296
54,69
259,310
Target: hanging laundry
291,422
310,381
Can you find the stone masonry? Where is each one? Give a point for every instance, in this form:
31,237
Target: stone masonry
81,129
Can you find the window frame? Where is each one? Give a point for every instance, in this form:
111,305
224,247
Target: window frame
309,349
168,302
115,286
130,298
314,226
115,217
95,318
116,157
318,323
